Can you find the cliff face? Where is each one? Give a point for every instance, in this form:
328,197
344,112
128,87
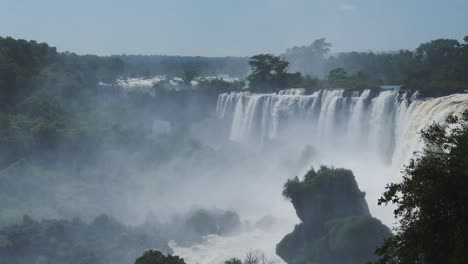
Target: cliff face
336,224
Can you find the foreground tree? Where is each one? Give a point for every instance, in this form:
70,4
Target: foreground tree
432,200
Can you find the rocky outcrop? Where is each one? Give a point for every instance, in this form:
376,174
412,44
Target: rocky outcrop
336,224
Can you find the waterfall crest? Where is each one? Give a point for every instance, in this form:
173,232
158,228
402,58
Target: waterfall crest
385,124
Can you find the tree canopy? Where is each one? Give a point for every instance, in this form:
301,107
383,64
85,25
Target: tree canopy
438,67
268,72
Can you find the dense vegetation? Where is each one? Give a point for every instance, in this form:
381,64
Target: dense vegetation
269,73
30,68
431,200
70,147
436,68
66,142
40,90
334,216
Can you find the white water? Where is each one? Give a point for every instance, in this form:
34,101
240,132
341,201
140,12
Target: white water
217,249
373,135
386,125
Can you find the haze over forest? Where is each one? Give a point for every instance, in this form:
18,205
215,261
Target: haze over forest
246,132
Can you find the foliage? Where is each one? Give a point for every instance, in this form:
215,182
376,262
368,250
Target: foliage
431,199
64,137
435,68
440,66
268,73
27,67
156,257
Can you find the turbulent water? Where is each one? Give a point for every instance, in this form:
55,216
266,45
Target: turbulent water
217,249
372,133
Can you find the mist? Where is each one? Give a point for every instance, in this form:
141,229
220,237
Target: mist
103,158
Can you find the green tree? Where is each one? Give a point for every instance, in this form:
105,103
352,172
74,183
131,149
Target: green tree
439,68
156,257
431,200
268,72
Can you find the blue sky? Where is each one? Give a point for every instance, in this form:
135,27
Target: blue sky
230,27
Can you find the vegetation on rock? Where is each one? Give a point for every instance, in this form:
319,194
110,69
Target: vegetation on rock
334,215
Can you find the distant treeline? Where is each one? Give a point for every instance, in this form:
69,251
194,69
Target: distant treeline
151,65
438,67
28,67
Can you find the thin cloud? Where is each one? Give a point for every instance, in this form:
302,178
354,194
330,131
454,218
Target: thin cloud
346,7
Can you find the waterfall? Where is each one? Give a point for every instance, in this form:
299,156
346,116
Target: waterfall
371,133
383,125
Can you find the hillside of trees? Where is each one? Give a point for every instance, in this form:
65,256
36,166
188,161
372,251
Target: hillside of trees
64,138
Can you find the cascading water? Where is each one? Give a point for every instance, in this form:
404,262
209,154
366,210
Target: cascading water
385,125
372,133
